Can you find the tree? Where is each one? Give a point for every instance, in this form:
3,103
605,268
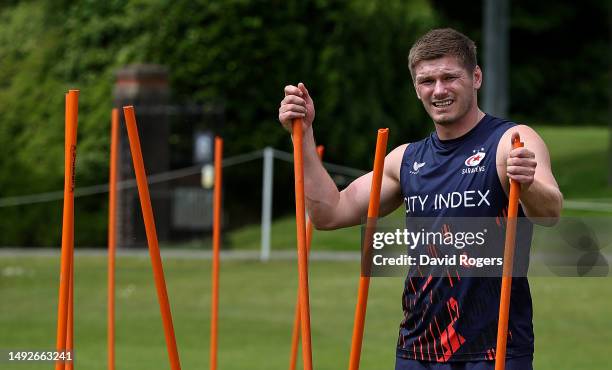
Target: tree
237,53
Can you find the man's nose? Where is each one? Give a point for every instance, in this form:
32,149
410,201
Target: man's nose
439,89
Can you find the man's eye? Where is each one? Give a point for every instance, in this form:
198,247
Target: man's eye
450,78
426,82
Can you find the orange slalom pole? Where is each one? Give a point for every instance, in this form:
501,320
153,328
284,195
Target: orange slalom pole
147,213
364,281
295,334
63,311
73,114
214,317
112,237
300,216
504,303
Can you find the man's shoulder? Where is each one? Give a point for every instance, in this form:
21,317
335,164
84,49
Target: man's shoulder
401,148
395,156
508,126
393,161
521,128
527,134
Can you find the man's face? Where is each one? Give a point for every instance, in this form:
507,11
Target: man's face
446,88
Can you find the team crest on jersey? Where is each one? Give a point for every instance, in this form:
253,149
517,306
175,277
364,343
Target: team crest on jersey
473,162
475,159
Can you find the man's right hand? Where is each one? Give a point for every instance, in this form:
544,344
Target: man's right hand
296,104
327,207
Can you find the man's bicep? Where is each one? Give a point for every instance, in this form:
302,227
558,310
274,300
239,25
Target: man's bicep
354,201
390,197
391,193
536,144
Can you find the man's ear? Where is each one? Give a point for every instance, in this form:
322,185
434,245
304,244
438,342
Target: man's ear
416,90
477,77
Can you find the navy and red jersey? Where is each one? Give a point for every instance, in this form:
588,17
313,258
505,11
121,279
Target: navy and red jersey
449,317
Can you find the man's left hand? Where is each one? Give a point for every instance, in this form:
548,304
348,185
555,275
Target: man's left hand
521,165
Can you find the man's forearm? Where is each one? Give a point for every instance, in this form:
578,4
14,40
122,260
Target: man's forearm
322,195
542,202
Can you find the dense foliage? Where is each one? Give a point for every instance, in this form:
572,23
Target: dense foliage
236,53
239,54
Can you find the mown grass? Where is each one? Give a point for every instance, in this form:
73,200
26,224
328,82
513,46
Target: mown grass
579,157
572,315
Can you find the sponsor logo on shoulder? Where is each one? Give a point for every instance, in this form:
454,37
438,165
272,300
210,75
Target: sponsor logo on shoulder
472,162
416,167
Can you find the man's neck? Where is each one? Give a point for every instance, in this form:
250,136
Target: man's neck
460,127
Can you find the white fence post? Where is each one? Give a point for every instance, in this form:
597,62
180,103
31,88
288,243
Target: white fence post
266,202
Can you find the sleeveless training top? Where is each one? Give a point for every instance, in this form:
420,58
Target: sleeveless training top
454,318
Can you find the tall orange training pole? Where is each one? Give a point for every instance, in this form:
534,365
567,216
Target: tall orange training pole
504,303
70,316
112,223
300,216
295,334
214,317
147,213
364,281
73,114
63,310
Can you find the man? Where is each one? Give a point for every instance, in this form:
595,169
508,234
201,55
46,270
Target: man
449,323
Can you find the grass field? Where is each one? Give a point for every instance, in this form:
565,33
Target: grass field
572,315
579,158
